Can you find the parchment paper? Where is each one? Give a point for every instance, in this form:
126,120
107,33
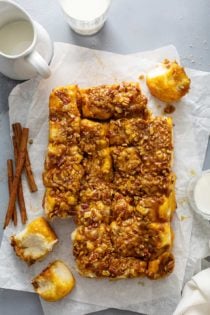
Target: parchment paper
28,103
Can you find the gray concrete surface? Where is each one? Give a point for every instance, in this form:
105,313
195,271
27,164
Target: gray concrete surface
132,26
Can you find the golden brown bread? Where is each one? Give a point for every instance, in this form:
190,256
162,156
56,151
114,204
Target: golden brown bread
35,241
54,282
168,81
109,163
113,101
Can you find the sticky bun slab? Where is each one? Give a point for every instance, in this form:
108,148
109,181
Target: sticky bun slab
109,165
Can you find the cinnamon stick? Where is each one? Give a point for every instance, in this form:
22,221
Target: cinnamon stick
17,130
18,171
20,195
10,174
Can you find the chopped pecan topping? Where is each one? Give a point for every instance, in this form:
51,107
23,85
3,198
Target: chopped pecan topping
109,164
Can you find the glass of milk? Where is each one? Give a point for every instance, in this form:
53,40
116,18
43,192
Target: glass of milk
199,194
85,17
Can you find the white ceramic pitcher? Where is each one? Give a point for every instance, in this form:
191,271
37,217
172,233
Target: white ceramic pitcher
34,56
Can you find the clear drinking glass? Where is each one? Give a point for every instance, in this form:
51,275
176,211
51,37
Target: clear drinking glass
85,17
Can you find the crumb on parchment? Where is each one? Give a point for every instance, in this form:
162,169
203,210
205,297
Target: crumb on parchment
182,201
183,217
141,283
193,172
169,109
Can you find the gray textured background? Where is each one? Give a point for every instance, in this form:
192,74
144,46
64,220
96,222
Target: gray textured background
132,26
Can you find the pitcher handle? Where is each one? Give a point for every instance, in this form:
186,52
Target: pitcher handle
37,61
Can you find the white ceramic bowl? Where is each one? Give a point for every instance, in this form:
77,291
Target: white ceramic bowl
191,189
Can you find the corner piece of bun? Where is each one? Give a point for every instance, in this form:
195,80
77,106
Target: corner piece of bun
54,282
35,241
168,81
